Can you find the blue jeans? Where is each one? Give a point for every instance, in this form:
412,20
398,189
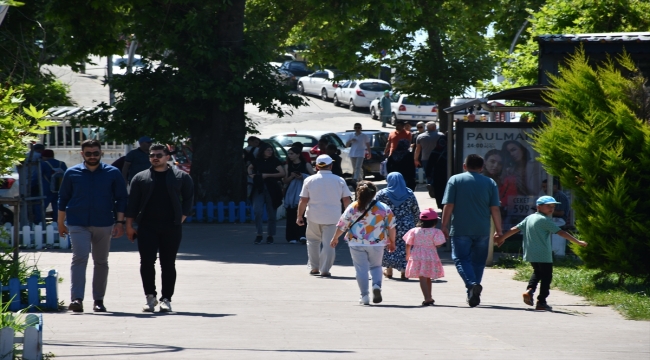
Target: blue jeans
260,202
469,254
367,259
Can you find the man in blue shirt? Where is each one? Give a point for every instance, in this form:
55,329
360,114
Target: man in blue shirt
90,195
470,198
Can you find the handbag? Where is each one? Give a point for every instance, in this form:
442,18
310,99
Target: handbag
382,168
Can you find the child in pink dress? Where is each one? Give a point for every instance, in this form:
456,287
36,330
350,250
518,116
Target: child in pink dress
423,260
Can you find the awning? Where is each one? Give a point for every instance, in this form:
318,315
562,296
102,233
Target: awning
531,94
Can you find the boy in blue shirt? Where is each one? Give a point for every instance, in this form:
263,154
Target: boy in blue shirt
537,229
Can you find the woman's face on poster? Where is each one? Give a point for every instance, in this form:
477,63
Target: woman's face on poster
515,152
493,165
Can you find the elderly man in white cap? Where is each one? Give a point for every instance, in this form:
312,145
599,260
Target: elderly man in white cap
321,198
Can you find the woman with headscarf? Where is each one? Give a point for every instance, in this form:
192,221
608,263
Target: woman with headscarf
266,171
404,205
401,161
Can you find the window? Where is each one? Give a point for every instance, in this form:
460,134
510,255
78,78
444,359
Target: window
353,84
374,86
298,66
345,84
423,102
320,75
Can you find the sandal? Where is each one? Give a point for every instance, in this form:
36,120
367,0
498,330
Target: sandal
403,277
387,275
428,303
314,272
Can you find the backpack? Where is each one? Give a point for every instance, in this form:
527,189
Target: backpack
57,177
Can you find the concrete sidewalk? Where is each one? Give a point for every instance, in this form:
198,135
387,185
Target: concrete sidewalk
242,301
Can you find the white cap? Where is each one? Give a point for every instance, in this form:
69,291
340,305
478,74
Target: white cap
323,160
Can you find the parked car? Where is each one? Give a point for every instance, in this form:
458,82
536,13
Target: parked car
9,184
405,109
285,77
359,93
119,64
297,68
319,83
280,59
378,140
461,115
309,139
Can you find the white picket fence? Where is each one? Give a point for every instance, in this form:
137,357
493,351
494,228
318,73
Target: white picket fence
32,340
36,237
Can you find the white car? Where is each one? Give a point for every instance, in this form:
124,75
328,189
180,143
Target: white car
319,83
359,93
404,109
119,64
9,187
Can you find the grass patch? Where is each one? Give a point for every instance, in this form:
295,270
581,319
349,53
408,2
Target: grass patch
631,297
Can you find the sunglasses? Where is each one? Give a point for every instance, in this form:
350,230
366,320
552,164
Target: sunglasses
157,155
92,153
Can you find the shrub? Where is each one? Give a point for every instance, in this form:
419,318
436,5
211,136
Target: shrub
598,144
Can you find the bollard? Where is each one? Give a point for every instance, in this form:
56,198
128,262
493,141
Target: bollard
231,212
221,211
52,290
242,211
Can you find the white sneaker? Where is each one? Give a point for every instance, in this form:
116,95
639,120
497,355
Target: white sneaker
365,300
376,294
165,305
151,304
293,241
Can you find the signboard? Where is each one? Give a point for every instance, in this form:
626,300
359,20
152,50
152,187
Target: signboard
509,161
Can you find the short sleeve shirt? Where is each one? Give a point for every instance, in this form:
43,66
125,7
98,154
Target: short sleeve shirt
427,141
372,230
537,230
139,161
395,137
325,191
358,147
472,195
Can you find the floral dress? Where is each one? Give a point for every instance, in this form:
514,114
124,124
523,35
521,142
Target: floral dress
424,260
406,216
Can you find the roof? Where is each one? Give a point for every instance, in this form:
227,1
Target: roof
66,112
531,94
599,37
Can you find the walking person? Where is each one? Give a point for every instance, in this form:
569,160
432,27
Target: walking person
137,160
91,221
266,170
359,145
385,109
394,138
296,170
320,201
160,199
470,199
52,171
422,255
537,229
370,226
424,144
402,202
400,161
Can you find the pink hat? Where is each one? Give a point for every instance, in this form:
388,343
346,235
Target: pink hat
429,214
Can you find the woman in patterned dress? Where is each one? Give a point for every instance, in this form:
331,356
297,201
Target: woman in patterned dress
402,202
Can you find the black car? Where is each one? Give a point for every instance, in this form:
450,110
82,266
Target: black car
297,68
378,141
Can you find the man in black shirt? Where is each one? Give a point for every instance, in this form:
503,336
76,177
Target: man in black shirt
160,200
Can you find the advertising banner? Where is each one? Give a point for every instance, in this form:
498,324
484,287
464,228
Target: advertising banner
509,161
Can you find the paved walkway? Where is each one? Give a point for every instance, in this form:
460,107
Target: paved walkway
237,300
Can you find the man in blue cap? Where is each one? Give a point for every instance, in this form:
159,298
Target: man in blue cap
137,160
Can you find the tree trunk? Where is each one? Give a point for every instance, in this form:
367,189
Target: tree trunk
217,165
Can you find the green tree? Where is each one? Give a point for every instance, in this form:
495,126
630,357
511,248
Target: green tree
568,17
18,127
352,36
23,35
212,59
598,144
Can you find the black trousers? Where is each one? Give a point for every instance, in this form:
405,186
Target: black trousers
152,241
294,232
542,274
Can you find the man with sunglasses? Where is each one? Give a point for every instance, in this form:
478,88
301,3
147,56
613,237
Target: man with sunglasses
92,200
160,199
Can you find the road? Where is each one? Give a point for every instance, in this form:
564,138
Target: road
87,90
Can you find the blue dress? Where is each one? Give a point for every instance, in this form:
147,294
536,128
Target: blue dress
406,216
